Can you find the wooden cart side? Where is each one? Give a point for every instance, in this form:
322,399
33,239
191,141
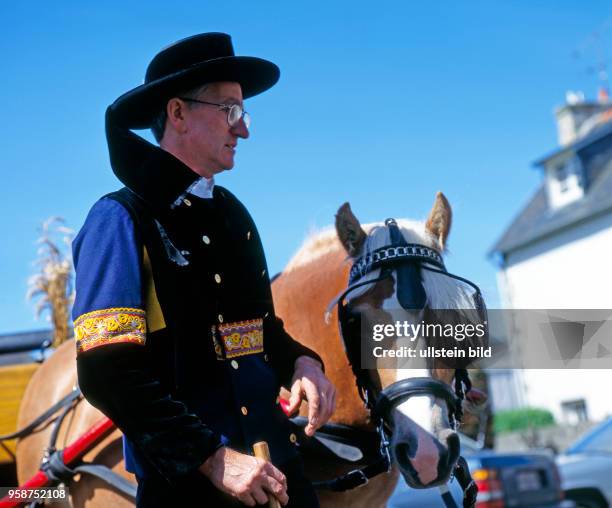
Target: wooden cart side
13,382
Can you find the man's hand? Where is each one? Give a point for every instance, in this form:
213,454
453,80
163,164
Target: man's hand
310,383
247,478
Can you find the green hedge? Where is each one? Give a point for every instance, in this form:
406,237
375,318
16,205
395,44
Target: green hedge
521,419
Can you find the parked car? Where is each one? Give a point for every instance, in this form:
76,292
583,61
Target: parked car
586,468
505,480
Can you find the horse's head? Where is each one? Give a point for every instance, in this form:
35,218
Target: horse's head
398,276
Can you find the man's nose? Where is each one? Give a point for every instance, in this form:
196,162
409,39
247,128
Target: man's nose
240,129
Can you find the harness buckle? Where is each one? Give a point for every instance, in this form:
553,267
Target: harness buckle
384,445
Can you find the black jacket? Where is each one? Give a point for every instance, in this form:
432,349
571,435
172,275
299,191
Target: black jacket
178,394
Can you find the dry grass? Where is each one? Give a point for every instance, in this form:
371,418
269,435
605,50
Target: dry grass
52,286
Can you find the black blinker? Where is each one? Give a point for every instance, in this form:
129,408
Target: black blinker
410,291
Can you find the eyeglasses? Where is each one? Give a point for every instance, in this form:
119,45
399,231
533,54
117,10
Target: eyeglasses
235,112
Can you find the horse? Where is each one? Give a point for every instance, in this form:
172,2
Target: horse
423,444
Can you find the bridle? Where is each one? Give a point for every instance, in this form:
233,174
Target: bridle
407,260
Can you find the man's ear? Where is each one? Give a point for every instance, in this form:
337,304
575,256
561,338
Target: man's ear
440,218
349,230
175,111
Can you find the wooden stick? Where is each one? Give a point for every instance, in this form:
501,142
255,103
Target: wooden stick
261,450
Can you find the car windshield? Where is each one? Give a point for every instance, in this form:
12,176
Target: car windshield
597,441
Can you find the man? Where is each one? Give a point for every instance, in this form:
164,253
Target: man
177,340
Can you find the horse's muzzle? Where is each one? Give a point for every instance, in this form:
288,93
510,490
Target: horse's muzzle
426,460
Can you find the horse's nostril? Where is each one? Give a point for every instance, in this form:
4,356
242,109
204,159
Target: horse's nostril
449,455
402,453
451,439
453,444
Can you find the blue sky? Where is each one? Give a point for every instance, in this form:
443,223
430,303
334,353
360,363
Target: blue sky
380,103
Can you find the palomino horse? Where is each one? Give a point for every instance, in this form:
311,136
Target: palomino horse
424,445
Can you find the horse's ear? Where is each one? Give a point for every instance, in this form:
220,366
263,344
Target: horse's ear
440,218
349,230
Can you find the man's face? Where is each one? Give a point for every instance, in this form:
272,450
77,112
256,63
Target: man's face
209,141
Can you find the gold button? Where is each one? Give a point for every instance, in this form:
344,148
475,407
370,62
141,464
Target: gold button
220,318
292,437
217,278
249,235
244,410
278,400
187,202
234,364
206,240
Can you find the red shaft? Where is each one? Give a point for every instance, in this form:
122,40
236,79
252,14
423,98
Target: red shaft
88,440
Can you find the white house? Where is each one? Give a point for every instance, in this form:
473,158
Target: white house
557,254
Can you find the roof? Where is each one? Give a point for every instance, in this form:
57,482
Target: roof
537,220
598,132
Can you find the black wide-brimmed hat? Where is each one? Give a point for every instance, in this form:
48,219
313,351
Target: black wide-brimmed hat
189,63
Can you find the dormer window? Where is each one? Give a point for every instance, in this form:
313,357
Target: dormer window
564,180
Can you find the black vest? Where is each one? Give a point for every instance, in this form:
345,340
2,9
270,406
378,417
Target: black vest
208,270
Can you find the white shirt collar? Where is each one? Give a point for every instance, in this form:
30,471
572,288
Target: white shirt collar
202,188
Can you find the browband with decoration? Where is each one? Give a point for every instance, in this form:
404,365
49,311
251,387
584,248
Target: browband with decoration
376,258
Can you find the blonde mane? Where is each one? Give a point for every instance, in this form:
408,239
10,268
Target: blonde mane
315,245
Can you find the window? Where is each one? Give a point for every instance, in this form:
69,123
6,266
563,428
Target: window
561,174
574,411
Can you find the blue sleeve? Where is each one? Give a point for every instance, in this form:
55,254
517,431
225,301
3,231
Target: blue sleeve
107,260
108,307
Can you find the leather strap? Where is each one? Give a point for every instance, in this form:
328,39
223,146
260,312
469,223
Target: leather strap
28,429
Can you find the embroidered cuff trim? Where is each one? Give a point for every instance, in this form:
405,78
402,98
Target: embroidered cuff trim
110,326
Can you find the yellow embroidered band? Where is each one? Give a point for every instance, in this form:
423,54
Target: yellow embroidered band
110,326
242,338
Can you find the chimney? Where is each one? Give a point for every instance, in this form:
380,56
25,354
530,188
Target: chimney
602,95
578,117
